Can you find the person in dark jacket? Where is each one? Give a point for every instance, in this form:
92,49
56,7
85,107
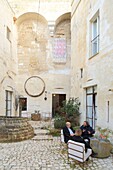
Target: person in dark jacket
78,138
87,130
68,132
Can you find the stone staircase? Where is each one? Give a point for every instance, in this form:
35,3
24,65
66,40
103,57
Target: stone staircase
40,133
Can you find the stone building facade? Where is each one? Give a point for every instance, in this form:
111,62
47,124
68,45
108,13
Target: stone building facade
92,60
43,55
51,50
8,60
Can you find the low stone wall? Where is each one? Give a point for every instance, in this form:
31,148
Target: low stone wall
14,129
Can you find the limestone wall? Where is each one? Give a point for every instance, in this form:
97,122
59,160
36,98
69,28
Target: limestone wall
39,27
50,9
8,59
35,58
97,70
14,129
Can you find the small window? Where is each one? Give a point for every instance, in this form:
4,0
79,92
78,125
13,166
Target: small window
23,104
8,34
95,35
81,72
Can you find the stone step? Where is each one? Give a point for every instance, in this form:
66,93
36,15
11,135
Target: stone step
41,132
43,137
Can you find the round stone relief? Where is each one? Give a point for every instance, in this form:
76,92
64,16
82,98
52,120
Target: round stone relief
34,86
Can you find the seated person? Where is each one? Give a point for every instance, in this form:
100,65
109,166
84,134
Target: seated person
68,132
87,130
78,138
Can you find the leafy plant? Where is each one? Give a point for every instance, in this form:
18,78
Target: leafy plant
68,112
59,122
71,110
103,133
54,132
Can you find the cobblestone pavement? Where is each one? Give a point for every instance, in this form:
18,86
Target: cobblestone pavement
44,152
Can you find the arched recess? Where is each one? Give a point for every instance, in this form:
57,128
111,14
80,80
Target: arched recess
62,39
63,26
30,15
33,33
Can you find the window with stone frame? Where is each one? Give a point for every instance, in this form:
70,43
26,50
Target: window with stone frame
94,34
8,103
23,103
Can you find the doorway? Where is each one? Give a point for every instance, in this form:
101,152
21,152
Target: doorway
91,105
57,100
22,105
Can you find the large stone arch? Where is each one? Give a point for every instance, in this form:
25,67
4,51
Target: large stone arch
62,35
30,15
33,33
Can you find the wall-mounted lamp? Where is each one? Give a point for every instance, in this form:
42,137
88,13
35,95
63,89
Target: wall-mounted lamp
45,98
111,90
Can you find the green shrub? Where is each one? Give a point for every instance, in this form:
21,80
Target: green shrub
54,132
71,108
59,122
76,127
68,112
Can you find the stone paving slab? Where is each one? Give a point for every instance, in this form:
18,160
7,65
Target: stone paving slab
45,155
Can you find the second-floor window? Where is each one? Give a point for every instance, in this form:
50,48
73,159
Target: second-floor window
95,35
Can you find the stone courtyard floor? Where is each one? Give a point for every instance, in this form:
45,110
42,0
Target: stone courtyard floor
44,152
